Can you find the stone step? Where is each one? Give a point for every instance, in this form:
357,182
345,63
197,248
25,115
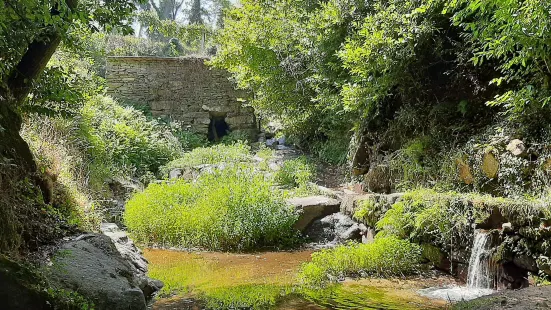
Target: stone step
313,207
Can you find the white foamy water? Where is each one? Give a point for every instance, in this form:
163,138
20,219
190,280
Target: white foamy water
454,292
480,275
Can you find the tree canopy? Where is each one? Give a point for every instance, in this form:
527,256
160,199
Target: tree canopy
316,64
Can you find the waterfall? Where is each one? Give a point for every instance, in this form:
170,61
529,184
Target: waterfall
481,276
481,272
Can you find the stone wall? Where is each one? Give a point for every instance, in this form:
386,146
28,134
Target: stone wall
182,89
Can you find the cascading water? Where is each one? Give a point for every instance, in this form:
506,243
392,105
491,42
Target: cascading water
481,270
480,276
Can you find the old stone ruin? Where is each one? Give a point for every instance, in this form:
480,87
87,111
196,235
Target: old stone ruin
202,99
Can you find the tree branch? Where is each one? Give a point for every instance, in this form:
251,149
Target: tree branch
34,61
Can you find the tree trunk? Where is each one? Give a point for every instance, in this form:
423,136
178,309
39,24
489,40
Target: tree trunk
14,151
31,65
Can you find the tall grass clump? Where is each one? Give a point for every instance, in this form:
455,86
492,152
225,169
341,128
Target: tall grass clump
386,256
295,173
238,152
228,209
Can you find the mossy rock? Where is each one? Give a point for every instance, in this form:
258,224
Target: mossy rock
465,173
490,165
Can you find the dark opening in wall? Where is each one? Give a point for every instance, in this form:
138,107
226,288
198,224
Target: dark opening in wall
218,126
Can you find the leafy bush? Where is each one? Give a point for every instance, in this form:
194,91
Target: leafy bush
238,152
123,141
236,136
295,173
426,216
369,211
190,140
386,256
333,151
229,209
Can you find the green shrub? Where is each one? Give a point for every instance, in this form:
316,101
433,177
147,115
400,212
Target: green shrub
238,152
123,141
230,209
427,216
295,173
333,151
386,256
190,140
61,156
236,136
369,211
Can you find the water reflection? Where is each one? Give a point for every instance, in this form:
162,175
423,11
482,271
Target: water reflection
211,280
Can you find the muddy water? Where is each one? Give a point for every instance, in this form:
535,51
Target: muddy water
266,281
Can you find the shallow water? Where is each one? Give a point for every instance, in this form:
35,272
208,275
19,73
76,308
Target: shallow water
266,281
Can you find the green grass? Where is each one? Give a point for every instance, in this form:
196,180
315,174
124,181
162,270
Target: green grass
387,256
295,173
248,296
238,152
230,209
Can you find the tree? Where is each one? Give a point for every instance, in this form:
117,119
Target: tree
196,13
167,9
31,31
220,6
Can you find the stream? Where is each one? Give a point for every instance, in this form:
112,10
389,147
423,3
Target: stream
266,280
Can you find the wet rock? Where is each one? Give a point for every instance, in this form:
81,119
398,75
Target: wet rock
335,228
513,277
121,190
271,142
312,208
393,198
92,266
352,200
544,264
532,298
525,262
133,255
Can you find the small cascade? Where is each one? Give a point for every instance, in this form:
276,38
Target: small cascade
481,272
481,276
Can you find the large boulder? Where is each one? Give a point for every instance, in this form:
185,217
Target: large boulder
92,266
313,207
334,229
125,246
